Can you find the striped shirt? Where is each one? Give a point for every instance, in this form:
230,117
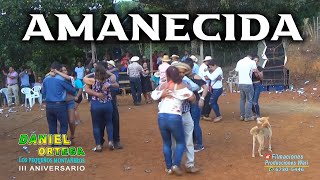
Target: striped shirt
134,70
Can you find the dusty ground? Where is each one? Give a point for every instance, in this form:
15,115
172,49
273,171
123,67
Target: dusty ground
228,144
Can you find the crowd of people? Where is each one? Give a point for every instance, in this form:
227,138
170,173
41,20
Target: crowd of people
15,81
185,91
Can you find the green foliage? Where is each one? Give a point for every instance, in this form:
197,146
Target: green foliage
15,18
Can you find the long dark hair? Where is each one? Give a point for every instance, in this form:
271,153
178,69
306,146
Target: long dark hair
100,73
173,75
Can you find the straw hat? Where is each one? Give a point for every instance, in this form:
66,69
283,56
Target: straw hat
157,74
111,62
184,66
174,56
194,58
165,58
207,58
134,59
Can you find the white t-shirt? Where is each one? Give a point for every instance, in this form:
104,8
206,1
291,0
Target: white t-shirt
203,71
216,84
245,69
80,72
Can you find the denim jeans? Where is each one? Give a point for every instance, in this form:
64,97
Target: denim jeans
136,89
101,114
216,93
255,100
57,111
206,107
246,95
188,130
171,124
115,117
197,131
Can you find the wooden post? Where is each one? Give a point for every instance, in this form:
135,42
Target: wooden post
151,63
201,50
317,28
314,28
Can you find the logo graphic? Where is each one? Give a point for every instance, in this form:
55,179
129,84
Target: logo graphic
271,169
268,156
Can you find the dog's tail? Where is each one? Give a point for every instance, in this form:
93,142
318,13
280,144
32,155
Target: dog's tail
254,130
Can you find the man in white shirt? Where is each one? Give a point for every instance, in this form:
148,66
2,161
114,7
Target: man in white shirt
245,67
80,71
134,70
203,72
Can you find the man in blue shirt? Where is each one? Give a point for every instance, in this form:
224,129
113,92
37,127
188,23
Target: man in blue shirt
24,79
54,91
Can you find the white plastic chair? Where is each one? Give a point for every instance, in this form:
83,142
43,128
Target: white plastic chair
5,92
28,96
37,94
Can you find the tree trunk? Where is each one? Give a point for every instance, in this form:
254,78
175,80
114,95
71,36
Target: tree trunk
211,49
142,49
194,47
93,52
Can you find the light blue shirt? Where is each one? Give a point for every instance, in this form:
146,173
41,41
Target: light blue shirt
195,69
80,72
24,79
191,85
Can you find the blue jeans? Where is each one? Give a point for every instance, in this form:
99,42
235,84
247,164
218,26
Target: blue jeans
197,131
246,95
206,107
57,111
115,117
101,114
216,93
255,101
171,124
136,89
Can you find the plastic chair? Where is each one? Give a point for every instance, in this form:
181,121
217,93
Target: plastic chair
5,92
37,94
28,96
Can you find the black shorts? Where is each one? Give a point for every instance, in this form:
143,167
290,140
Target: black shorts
79,99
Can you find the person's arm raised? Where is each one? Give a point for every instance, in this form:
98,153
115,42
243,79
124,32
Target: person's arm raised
65,76
87,79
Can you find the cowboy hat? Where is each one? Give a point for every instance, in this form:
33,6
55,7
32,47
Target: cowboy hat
207,58
111,62
184,66
174,56
134,59
157,74
194,58
165,58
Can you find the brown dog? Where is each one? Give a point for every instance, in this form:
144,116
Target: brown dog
259,133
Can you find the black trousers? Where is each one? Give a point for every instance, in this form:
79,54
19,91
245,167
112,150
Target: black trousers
115,117
206,107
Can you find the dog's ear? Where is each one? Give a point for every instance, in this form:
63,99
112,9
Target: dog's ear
266,125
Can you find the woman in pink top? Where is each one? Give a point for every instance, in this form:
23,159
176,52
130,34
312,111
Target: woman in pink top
163,68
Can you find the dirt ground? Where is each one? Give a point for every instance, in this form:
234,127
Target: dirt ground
228,144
